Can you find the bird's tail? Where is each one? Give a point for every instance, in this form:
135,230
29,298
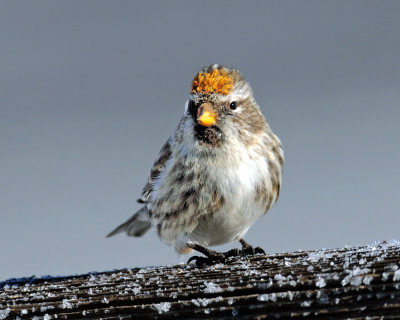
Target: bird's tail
136,226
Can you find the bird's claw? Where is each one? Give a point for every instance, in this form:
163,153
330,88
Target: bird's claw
251,251
221,257
259,250
207,261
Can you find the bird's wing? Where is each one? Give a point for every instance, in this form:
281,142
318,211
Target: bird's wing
139,223
136,226
155,172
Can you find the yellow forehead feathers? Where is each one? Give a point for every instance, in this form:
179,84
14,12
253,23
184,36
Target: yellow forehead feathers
217,81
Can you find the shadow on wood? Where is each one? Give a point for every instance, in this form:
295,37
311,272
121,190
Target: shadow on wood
348,283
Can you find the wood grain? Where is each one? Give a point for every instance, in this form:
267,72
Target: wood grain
347,283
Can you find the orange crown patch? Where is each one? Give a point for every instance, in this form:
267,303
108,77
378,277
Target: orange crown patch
217,81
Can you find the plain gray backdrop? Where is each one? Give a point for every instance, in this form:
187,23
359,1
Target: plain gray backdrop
90,91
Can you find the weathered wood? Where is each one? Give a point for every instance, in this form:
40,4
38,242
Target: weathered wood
349,283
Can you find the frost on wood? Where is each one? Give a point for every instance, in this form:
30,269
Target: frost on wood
348,283
161,307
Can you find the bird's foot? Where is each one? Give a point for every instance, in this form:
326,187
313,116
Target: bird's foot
206,261
211,256
214,257
249,250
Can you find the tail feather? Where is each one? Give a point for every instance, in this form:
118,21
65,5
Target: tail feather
136,226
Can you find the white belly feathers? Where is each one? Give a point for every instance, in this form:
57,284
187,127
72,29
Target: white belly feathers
237,184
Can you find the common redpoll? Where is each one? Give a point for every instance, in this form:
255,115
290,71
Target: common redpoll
217,174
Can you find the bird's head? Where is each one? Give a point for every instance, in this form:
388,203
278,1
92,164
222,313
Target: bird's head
222,106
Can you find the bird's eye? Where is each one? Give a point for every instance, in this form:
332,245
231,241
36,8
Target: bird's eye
233,105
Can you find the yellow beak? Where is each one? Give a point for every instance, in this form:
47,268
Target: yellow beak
206,116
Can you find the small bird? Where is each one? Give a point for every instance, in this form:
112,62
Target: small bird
217,174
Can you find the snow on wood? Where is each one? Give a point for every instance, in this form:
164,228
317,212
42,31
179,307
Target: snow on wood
348,283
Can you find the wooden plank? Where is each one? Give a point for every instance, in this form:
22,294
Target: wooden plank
347,283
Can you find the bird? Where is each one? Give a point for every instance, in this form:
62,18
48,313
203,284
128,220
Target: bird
217,174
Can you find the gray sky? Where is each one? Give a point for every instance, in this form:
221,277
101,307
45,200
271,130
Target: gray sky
89,92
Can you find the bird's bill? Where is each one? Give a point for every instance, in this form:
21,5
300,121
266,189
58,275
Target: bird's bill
206,116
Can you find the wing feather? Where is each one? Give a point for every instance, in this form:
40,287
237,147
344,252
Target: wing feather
158,167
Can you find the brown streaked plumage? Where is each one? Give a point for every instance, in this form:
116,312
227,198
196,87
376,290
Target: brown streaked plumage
217,174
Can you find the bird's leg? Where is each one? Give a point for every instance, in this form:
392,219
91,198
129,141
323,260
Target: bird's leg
249,250
212,256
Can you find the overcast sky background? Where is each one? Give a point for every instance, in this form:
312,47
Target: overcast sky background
90,91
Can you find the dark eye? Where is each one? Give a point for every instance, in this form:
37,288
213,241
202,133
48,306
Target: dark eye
233,105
